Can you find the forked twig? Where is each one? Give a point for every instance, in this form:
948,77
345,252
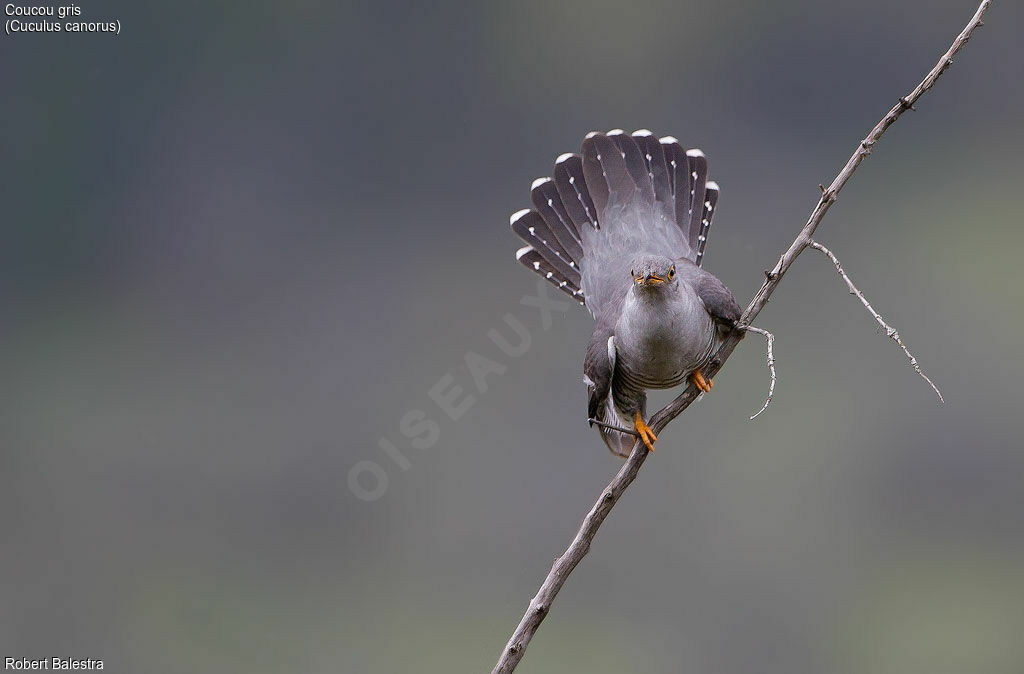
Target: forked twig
769,339
890,331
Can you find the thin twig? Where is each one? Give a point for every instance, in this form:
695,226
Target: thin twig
612,427
769,338
567,561
890,331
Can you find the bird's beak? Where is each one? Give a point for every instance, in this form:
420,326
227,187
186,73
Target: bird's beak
653,279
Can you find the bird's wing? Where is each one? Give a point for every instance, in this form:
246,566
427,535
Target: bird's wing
598,368
622,196
718,300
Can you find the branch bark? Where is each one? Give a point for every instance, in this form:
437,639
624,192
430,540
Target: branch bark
580,546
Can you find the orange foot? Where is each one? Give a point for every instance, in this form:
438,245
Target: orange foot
703,384
646,434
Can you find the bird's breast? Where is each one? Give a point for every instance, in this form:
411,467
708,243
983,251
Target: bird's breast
660,341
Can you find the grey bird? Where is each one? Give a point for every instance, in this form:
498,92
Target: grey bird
622,228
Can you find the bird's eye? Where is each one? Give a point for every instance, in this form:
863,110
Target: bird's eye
672,272
632,272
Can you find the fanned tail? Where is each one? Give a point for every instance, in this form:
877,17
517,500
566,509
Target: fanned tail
654,195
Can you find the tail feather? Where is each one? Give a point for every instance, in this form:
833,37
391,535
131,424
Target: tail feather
572,187
681,178
532,229
548,202
708,212
636,164
688,178
657,169
531,259
605,170
698,186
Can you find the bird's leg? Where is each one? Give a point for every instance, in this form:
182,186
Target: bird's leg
698,378
645,432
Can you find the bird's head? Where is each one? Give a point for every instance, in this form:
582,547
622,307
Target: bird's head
653,271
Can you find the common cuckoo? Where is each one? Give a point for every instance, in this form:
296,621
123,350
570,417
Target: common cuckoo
622,228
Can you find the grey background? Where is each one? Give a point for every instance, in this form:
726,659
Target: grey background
241,240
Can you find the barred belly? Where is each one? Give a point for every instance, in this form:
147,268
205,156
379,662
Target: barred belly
630,383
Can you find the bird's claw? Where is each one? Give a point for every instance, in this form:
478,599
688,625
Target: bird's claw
645,432
703,384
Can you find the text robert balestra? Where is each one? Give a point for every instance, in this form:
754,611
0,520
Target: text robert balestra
60,664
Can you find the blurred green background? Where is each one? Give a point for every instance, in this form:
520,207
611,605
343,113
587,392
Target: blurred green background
240,241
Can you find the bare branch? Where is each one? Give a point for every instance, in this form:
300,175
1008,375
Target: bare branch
580,545
890,332
769,338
